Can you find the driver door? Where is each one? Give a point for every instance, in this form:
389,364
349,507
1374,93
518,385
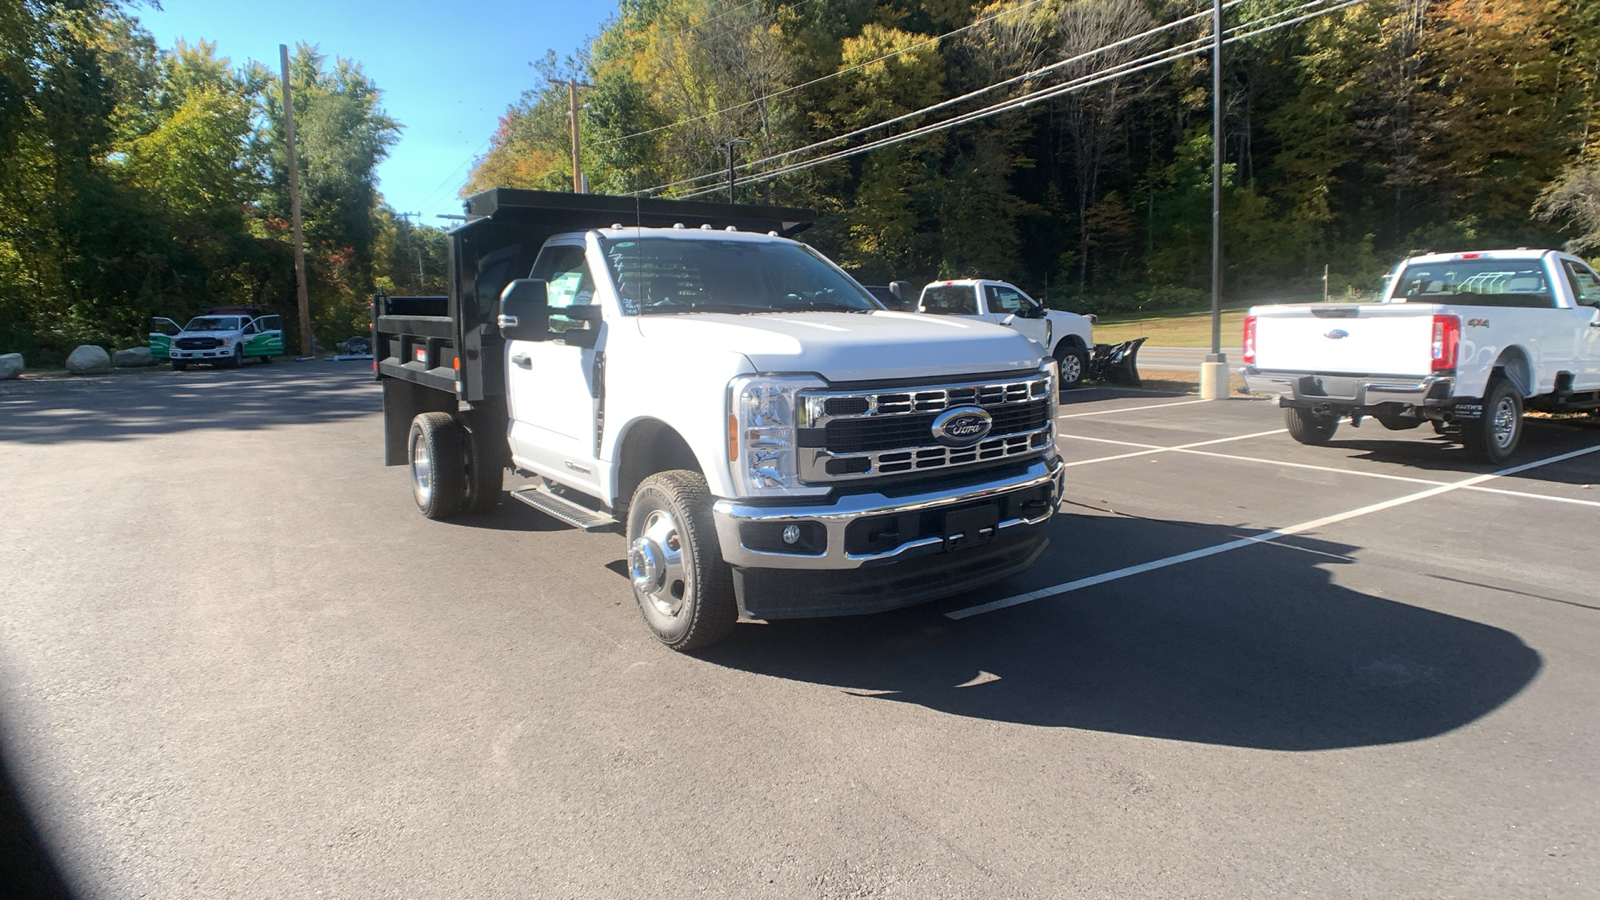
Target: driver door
1005,300
162,331
554,387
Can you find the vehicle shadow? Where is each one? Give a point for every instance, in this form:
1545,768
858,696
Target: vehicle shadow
128,407
1257,647
1421,449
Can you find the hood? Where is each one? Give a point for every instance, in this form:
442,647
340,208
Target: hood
852,346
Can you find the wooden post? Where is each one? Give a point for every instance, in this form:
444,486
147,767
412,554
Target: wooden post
579,186
307,345
572,110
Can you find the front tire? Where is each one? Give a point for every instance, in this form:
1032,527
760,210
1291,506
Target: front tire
683,587
1072,362
1496,436
237,360
1309,428
438,468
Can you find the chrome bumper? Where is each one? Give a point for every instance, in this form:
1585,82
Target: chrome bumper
1350,391
836,517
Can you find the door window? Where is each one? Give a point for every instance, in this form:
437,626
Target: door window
566,277
1006,299
1585,285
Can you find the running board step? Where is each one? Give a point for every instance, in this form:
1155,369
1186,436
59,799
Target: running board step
573,514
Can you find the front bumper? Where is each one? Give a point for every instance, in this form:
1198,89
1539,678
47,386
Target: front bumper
1350,391
219,353
871,552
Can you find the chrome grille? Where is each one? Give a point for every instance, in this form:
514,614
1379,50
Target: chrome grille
848,435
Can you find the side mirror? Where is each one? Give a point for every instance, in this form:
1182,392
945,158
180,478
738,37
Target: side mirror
525,311
901,290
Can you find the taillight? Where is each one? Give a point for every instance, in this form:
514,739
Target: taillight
1250,339
1446,339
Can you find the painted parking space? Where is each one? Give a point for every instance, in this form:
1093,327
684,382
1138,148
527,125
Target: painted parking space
1182,469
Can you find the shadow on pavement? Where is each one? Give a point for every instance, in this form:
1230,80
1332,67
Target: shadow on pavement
1421,449
1253,648
122,408
26,869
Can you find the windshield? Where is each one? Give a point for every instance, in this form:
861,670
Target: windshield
657,276
214,323
1495,282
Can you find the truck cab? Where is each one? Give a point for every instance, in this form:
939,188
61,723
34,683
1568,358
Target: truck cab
769,439
1063,336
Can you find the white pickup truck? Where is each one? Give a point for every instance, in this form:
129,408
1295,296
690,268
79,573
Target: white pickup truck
221,338
772,442
1461,340
1066,337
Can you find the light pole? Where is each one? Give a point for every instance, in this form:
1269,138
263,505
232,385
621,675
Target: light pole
1214,371
728,147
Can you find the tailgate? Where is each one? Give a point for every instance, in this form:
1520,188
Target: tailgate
1366,339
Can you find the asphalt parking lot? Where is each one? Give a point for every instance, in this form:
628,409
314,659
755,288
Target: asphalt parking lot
235,662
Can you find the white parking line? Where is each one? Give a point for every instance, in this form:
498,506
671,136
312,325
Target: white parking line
1107,412
1294,465
1242,437
1266,537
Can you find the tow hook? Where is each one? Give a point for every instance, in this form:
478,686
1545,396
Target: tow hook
1355,420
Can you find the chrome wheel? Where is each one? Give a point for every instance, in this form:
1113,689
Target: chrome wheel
1504,425
421,469
656,566
683,587
1071,369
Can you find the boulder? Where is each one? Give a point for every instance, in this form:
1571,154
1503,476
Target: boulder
10,365
89,360
133,358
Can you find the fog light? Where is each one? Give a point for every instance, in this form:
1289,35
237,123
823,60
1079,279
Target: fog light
791,534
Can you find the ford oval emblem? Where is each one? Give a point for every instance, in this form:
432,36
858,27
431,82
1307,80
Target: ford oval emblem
962,426
1337,334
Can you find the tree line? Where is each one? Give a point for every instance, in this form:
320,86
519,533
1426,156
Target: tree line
1352,137
137,181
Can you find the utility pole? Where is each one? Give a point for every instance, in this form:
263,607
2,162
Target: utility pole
572,115
307,345
1214,371
728,146
411,243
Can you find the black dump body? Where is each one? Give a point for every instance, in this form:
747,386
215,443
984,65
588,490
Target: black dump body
437,353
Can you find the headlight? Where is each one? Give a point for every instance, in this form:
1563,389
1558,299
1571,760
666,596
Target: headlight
224,342
1052,375
763,418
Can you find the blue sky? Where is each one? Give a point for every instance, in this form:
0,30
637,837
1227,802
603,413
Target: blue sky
447,70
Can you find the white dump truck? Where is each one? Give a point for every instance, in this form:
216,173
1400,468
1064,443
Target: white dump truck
771,441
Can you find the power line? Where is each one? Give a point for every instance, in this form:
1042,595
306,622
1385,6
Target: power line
828,77
1150,32
1189,48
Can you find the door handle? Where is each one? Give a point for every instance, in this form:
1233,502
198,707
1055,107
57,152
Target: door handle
523,361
